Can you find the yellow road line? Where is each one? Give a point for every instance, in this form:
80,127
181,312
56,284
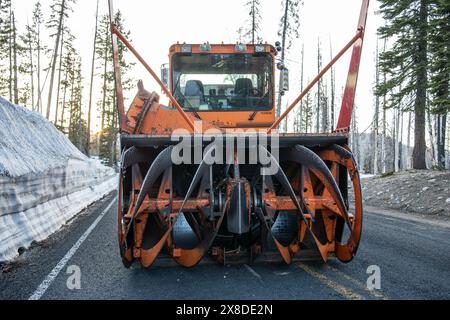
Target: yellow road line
374,293
343,291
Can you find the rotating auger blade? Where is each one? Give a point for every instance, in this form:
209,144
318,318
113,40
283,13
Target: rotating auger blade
338,155
284,181
191,257
162,162
311,161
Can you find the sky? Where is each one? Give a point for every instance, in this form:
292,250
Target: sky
156,25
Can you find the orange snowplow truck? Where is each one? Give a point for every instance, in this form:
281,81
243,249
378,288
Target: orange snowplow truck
209,175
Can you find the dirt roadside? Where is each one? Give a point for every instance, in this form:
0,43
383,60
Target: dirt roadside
422,192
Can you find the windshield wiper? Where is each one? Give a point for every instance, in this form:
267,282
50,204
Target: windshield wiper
190,107
253,115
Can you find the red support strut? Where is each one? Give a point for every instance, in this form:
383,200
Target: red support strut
348,101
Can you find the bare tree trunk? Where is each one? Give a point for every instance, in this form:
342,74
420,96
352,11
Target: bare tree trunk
408,152
30,48
38,40
72,98
383,136
333,92
302,112
400,146
419,154
55,58
395,138
16,87
88,133
441,132
283,53
432,140
64,100
319,84
376,117
10,42
106,52
253,22
59,76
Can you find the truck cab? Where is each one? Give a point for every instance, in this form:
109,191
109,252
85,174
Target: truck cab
229,86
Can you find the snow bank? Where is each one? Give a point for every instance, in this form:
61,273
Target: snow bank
421,191
44,179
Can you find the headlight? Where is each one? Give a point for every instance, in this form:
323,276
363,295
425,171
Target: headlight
260,48
241,47
186,48
205,48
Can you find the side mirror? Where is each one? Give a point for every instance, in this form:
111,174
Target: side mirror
165,75
285,79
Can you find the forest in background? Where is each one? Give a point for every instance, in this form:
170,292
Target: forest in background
411,82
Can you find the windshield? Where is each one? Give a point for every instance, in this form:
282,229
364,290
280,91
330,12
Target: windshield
225,82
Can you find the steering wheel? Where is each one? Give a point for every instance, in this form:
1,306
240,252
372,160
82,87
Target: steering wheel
256,92
253,92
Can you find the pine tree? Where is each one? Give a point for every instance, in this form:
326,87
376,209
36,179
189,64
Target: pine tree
77,126
69,70
109,119
407,62
252,27
64,33
59,12
440,71
36,27
28,67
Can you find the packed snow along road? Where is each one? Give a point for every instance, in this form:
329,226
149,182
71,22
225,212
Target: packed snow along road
44,179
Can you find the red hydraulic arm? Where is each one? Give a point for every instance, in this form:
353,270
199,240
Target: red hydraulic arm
348,101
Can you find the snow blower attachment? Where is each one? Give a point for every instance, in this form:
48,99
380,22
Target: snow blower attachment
209,175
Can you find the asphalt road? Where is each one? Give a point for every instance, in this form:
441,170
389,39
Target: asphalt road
413,257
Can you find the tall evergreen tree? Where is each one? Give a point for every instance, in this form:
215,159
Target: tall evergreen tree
60,10
109,120
406,63
253,24
440,71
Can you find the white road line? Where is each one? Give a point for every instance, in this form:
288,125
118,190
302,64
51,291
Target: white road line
253,272
40,291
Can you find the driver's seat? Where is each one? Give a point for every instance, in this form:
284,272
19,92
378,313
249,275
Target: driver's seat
243,87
